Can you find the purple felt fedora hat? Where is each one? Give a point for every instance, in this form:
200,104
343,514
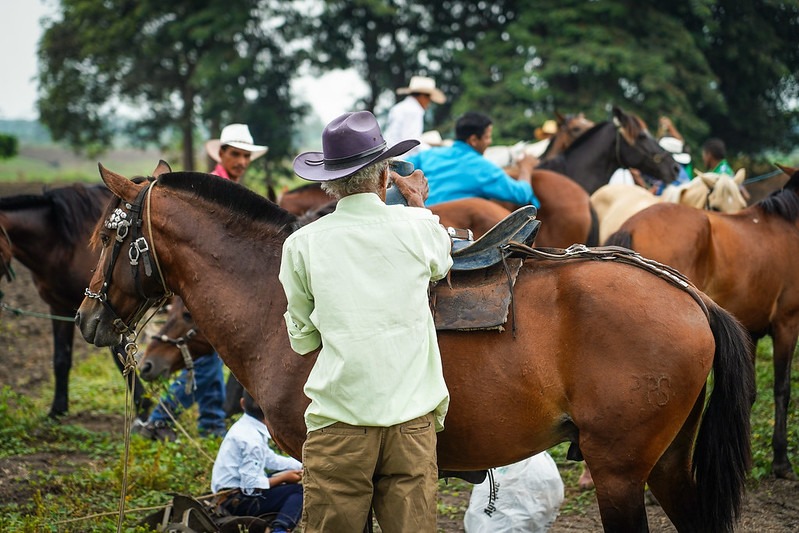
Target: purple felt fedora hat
349,143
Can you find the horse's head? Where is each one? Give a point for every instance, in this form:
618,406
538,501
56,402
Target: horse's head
724,192
570,127
636,148
127,280
176,344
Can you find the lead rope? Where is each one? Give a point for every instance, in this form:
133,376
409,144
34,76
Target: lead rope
129,371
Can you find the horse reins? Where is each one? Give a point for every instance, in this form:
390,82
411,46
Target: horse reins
139,251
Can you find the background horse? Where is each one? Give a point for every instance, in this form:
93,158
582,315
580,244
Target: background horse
748,263
606,355
623,142
616,202
304,199
570,127
49,234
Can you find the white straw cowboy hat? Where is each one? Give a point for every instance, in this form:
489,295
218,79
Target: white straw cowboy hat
237,136
424,85
675,146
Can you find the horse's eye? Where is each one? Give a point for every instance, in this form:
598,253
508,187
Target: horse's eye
186,316
104,239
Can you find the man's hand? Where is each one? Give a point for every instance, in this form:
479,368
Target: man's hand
526,166
413,187
287,476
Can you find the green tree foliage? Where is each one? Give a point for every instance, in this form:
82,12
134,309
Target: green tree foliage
178,65
724,68
9,146
388,41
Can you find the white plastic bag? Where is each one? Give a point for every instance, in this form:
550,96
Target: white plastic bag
527,498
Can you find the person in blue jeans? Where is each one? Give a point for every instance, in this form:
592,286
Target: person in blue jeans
208,392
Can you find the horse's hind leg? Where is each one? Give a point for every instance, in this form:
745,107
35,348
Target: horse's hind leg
621,501
784,345
671,480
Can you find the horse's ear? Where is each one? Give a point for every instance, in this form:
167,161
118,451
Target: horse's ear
709,179
788,170
618,116
162,168
560,119
740,176
119,185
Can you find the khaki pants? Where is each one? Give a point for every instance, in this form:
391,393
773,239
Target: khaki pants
348,469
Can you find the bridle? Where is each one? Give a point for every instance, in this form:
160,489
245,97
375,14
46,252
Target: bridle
182,344
130,224
656,158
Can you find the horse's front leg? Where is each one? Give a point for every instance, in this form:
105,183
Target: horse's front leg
63,334
784,345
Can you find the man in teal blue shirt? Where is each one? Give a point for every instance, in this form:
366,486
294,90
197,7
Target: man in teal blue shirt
461,171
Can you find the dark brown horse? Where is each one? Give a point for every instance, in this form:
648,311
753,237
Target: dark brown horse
49,234
606,355
624,142
748,263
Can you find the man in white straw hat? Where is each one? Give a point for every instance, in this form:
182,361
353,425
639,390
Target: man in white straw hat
406,118
233,151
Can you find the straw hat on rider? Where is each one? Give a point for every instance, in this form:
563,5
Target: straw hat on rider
424,85
675,146
349,143
547,130
237,136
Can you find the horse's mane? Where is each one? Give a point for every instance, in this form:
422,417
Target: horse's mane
236,199
785,202
73,207
585,137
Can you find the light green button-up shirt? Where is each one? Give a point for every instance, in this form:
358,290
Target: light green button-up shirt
356,282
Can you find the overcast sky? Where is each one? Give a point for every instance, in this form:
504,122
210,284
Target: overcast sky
329,95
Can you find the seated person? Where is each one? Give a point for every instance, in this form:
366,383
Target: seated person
240,464
460,171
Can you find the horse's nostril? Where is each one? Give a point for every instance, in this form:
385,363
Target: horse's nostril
146,367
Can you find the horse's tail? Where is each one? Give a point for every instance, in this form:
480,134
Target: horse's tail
722,453
593,232
620,238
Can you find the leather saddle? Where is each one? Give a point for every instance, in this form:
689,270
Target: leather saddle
520,226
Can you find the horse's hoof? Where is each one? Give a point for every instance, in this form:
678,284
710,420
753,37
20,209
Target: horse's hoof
783,472
57,415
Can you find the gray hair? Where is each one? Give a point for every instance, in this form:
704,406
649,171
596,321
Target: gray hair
365,180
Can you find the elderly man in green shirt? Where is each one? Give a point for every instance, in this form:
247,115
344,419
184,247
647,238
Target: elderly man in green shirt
356,283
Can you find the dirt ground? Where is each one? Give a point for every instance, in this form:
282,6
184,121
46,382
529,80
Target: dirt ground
25,364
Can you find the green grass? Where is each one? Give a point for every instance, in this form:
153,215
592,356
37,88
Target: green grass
85,475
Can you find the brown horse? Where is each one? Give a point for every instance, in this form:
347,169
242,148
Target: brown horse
566,215
570,127
49,234
747,262
623,142
177,341
603,354
304,198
